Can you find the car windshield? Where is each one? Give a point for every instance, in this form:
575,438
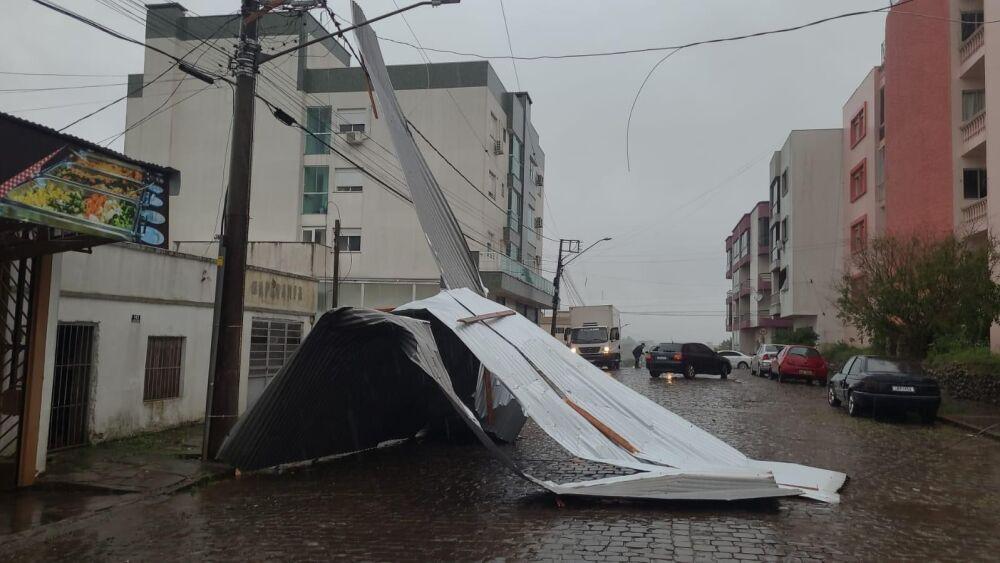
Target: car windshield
589,335
668,347
883,365
803,351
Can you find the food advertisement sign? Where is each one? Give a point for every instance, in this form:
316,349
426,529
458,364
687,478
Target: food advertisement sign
49,179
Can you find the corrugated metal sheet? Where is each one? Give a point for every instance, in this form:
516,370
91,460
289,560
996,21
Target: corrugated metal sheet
542,373
444,235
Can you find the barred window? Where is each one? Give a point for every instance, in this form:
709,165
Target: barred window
164,357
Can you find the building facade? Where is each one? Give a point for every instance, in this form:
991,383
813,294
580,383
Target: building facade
476,136
806,245
748,265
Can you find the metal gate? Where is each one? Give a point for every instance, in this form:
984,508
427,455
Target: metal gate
16,309
272,342
71,386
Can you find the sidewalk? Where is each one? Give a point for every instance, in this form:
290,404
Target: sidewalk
91,479
971,415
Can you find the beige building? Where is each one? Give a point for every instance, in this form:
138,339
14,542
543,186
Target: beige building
807,245
493,176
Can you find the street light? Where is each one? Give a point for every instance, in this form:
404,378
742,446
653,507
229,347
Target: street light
566,245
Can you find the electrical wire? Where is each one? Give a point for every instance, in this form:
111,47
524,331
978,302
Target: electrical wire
510,46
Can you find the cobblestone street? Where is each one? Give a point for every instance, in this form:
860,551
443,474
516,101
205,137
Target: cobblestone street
915,492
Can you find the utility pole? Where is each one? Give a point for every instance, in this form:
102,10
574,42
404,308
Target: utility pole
336,264
567,246
224,382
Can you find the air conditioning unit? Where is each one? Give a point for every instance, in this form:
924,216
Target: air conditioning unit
538,222
354,137
539,180
497,147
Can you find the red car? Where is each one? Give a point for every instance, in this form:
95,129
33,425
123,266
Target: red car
800,362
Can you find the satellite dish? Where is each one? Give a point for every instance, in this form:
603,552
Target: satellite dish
758,297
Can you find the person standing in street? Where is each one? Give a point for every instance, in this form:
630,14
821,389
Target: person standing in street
637,353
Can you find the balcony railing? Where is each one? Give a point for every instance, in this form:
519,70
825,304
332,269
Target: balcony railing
975,213
764,283
974,126
971,45
492,261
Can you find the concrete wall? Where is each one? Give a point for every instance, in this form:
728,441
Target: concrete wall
992,63
171,295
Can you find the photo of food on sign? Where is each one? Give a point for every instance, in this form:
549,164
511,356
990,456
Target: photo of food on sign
83,189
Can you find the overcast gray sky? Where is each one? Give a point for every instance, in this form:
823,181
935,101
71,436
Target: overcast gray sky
702,132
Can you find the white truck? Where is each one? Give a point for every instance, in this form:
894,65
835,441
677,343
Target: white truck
595,334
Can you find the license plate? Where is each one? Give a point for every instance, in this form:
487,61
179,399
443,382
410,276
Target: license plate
903,388
806,371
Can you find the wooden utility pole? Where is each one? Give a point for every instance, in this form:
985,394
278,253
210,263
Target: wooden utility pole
336,264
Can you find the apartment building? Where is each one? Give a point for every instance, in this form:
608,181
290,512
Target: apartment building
806,245
863,172
748,265
476,136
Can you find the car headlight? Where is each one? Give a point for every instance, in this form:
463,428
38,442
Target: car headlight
573,349
607,349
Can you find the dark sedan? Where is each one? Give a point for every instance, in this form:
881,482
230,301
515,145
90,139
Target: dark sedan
687,359
870,384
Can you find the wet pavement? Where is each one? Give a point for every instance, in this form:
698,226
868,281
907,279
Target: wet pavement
915,492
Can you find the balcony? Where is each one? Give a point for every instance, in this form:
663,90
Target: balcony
973,134
504,276
974,216
764,283
970,52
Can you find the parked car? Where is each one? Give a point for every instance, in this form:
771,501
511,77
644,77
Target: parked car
872,384
800,362
737,359
760,364
688,359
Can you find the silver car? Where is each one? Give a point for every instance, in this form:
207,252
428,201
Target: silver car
737,359
760,364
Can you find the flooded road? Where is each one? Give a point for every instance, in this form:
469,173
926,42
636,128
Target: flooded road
915,492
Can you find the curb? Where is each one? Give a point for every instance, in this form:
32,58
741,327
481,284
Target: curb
970,427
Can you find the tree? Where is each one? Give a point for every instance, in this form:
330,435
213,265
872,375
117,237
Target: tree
906,294
726,344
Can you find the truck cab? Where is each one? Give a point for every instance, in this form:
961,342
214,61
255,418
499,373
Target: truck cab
595,335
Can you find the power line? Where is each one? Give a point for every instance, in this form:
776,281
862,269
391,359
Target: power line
60,74
510,46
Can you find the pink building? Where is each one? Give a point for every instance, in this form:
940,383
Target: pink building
863,165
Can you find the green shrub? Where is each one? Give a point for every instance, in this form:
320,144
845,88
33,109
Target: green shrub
974,359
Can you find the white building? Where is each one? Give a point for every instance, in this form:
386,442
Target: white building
807,241
493,174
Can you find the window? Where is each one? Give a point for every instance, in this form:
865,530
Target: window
974,183
318,121
615,334
763,230
881,113
859,234
729,257
164,357
493,185
973,102
348,180
859,180
516,156
859,125
272,343
314,189
314,234
847,365
352,119
971,21
784,230
513,251
856,366
350,240
775,193
784,183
